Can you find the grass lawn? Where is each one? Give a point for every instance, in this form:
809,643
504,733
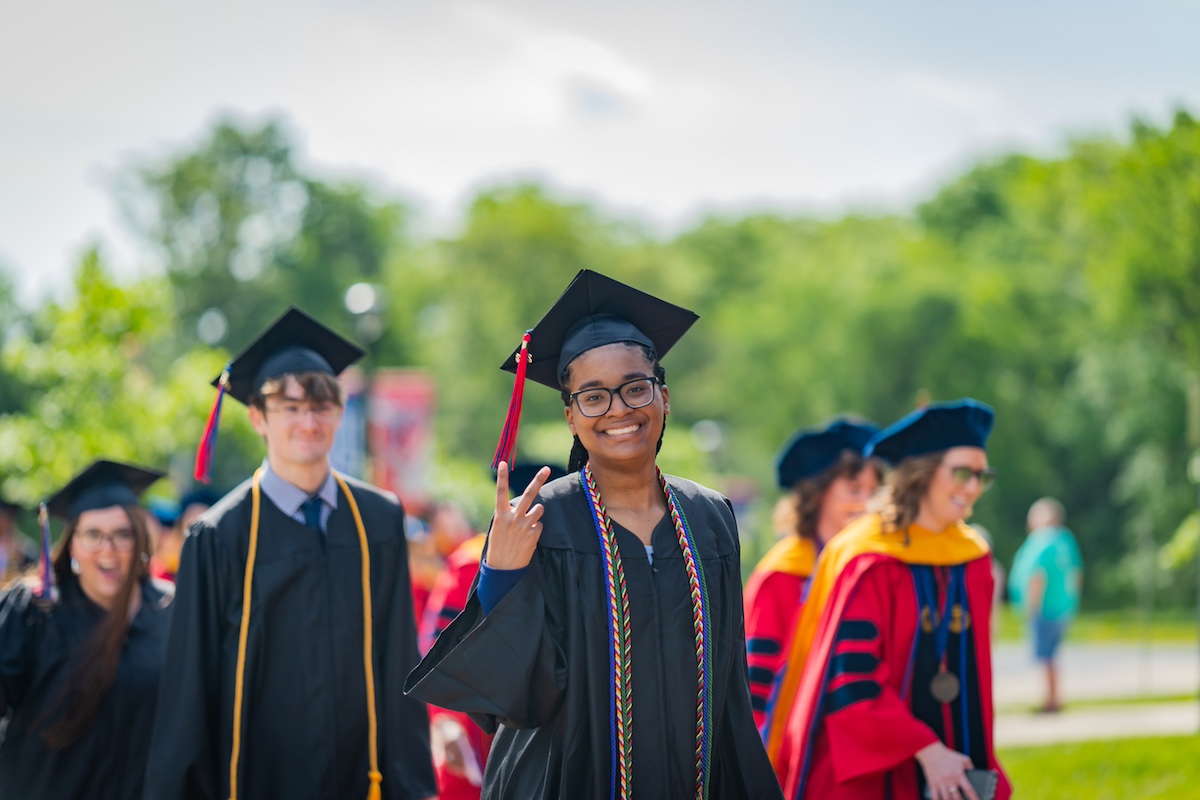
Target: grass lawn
1123,769
1111,626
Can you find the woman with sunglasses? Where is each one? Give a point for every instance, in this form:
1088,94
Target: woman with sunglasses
603,642
81,654
895,699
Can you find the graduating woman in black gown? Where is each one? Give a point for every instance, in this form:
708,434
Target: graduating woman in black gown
79,675
603,642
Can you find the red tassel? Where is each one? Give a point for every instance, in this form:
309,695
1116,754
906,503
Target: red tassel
508,436
208,442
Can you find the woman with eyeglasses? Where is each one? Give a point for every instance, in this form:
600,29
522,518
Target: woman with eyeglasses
80,656
895,698
603,642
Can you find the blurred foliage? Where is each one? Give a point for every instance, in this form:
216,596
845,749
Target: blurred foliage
1064,291
107,379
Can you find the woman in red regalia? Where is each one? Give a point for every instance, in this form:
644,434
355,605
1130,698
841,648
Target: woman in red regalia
829,483
895,698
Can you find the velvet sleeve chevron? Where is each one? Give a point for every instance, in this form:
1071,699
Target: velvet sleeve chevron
772,602
869,725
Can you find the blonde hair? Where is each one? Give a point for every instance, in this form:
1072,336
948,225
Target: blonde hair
899,502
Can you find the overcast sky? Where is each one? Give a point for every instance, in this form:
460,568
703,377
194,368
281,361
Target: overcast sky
661,109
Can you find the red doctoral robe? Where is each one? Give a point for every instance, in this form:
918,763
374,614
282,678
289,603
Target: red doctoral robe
772,601
862,705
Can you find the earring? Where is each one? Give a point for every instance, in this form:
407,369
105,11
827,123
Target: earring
75,567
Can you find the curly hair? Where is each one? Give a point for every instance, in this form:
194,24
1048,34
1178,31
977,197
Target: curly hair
899,503
808,493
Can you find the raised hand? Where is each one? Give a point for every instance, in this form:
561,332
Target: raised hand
516,527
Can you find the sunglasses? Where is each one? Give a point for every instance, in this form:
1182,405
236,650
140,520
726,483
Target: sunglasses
962,476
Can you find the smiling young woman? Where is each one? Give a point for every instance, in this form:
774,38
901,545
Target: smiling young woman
80,676
614,592
895,698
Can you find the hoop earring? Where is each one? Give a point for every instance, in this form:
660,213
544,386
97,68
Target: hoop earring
75,568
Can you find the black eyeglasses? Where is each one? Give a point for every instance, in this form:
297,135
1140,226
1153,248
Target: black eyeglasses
962,476
596,401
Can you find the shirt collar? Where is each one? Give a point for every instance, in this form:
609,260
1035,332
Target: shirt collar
289,497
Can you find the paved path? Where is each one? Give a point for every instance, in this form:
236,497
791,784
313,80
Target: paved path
1096,671
1091,672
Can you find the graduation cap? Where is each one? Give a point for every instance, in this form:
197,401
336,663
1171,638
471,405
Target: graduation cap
595,310
164,509
202,496
294,343
102,484
522,473
10,506
961,423
812,451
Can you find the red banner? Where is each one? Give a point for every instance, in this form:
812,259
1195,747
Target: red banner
400,433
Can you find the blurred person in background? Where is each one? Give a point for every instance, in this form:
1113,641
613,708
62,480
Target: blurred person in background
603,642
293,626
170,539
895,698
17,551
79,674
829,483
1045,584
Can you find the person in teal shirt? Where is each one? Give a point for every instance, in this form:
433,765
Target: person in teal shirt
1045,583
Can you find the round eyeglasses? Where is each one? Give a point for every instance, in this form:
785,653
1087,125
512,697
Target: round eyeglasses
597,400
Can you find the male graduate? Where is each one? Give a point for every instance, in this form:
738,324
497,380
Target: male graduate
293,627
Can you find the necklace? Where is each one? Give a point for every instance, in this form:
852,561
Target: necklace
619,656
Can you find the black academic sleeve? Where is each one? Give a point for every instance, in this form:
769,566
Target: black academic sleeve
404,755
19,619
183,755
503,668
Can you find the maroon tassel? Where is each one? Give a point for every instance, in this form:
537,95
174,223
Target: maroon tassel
508,437
208,442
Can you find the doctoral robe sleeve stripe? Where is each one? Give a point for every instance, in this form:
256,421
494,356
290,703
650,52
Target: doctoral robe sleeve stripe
762,647
850,693
854,664
759,704
448,614
856,630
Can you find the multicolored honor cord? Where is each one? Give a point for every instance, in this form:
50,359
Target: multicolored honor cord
620,663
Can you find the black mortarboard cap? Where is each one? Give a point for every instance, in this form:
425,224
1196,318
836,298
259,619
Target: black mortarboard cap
201,495
812,451
523,472
102,484
292,344
961,423
11,507
595,310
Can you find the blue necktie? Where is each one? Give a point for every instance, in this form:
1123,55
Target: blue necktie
312,513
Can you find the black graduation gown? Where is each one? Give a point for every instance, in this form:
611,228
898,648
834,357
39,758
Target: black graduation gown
304,717
536,669
39,650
